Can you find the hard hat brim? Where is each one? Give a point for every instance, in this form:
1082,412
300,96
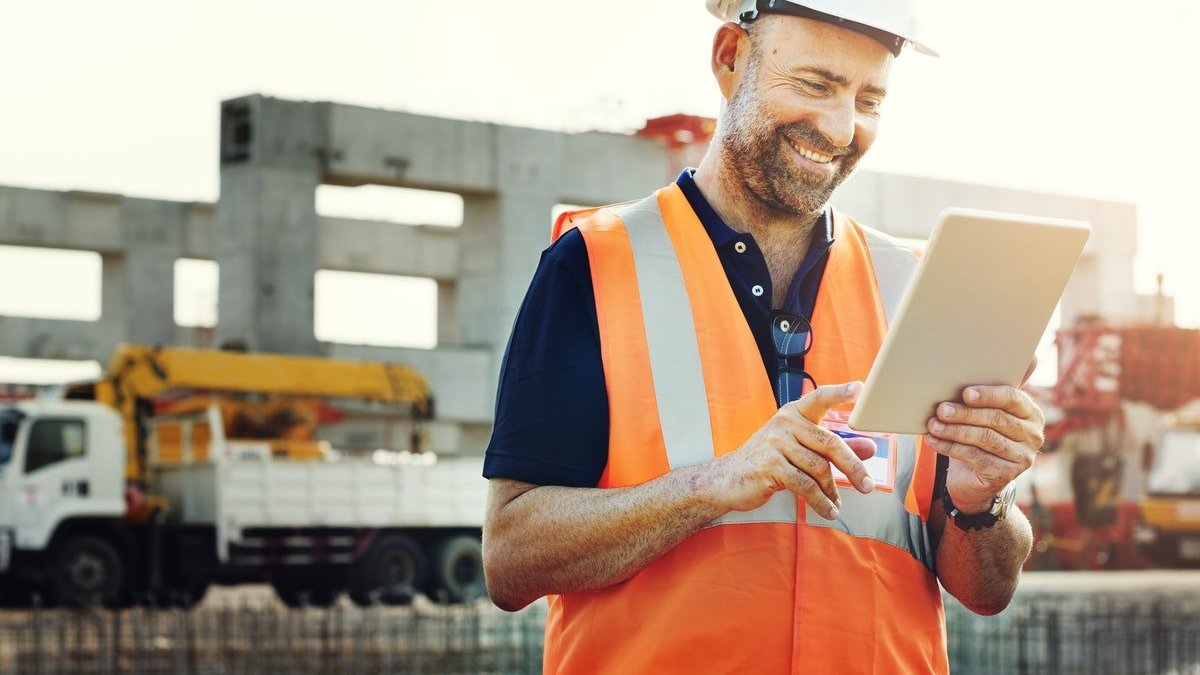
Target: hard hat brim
832,11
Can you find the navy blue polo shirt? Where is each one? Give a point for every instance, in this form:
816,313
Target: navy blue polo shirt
551,424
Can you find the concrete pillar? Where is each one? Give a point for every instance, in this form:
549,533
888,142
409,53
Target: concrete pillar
153,240
266,223
137,301
447,313
503,233
500,241
479,262
112,298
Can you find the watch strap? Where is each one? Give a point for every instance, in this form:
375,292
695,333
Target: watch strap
979,521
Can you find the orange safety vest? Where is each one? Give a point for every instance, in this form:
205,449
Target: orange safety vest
774,590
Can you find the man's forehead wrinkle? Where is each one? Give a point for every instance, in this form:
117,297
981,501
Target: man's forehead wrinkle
772,68
776,66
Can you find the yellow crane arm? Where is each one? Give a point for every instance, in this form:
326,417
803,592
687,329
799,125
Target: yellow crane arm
146,371
137,373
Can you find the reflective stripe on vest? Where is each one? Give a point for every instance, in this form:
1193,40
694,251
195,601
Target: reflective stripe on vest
894,264
675,356
670,336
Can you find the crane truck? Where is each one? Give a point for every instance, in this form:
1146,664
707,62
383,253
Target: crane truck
1117,487
180,468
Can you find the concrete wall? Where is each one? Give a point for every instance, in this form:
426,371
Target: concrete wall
269,241
908,206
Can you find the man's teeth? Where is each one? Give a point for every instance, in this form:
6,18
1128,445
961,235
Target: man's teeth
814,156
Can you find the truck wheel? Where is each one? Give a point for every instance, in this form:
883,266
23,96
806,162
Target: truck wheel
323,596
186,592
458,573
289,594
295,594
392,572
87,570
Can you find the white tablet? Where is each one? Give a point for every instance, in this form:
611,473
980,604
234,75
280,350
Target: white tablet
979,301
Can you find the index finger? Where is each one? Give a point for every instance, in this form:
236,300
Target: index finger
1009,399
817,402
833,449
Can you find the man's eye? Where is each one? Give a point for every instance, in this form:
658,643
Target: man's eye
815,87
868,105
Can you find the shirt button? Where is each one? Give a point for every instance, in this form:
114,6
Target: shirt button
740,247
757,291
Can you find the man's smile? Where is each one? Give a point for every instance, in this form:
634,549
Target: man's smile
808,153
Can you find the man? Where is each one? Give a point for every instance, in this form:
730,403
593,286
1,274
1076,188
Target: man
654,468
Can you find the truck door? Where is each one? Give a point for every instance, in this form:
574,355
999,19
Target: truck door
54,478
10,423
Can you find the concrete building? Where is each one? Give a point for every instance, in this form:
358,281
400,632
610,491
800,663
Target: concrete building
269,241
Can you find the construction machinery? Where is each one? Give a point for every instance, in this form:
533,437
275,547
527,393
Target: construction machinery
1168,531
179,468
1111,421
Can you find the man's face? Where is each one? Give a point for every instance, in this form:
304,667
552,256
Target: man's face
805,110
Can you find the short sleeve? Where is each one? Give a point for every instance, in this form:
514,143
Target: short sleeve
551,423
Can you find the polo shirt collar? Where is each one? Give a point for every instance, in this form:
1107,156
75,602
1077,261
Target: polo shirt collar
721,234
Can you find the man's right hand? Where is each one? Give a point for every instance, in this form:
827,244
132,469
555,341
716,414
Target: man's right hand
792,452
532,535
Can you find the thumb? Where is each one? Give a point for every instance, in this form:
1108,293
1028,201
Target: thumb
862,446
817,402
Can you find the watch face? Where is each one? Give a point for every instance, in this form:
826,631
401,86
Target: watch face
1004,501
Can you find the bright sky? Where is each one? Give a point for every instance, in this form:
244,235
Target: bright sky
1089,97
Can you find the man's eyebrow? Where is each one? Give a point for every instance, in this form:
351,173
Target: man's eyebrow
841,80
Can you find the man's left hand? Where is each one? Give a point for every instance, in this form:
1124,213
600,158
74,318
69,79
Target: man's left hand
990,438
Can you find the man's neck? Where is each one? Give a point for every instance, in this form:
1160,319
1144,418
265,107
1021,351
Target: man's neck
783,238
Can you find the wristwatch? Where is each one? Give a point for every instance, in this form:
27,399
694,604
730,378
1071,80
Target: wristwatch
1001,503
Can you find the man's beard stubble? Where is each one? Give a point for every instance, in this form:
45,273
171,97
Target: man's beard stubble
764,163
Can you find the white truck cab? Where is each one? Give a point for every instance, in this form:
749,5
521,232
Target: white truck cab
58,460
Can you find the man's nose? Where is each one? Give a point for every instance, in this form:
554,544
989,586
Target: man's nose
837,123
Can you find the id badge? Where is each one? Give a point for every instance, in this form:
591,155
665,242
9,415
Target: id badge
881,467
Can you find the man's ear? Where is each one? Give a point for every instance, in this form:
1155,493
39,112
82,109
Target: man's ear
731,48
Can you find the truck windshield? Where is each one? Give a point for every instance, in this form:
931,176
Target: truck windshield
1177,465
10,421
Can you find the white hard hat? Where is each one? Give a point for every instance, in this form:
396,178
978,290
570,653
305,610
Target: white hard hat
894,19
